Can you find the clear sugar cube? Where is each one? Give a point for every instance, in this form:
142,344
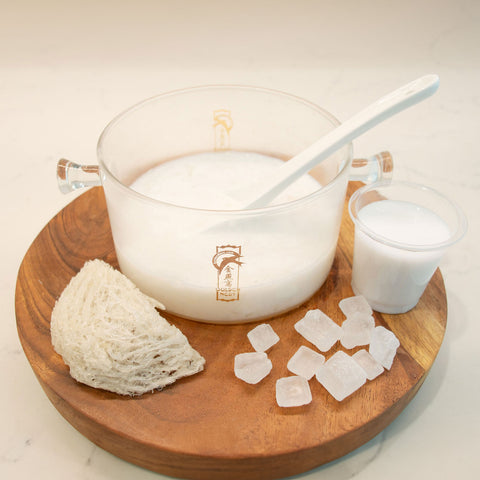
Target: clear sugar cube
383,346
293,392
357,330
341,375
263,337
372,368
357,304
319,329
251,367
305,362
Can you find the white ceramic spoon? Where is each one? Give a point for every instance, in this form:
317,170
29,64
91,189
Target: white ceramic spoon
261,194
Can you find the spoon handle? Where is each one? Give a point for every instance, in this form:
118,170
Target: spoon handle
377,112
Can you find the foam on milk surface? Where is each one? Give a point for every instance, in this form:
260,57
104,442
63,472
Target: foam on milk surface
405,222
204,180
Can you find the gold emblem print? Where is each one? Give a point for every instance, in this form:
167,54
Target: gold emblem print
222,124
227,262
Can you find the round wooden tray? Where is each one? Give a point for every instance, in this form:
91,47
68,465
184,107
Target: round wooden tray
212,425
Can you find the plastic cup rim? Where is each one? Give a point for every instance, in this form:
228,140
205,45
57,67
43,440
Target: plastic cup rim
456,235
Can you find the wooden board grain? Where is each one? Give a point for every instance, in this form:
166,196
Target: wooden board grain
212,425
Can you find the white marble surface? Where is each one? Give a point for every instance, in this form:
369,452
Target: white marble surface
66,68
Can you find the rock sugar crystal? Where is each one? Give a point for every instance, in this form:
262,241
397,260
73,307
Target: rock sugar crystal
293,391
262,337
319,329
341,375
252,367
305,362
383,346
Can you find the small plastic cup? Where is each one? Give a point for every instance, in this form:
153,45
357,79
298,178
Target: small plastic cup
402,230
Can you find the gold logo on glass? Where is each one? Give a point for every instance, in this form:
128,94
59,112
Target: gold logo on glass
222,124
227,262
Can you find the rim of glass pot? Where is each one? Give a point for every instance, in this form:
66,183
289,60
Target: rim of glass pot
104,170
455,236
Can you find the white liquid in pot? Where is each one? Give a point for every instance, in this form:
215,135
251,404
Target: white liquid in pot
205,180
284,257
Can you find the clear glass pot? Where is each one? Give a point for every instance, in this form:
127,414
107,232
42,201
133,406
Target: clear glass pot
222,266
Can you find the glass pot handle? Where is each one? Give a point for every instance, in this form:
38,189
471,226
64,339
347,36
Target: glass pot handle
71,175
373,169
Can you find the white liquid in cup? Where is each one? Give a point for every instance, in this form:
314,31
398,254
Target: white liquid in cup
393,279
282,264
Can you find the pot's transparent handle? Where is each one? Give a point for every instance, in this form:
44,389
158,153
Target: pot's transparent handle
72,176
372,169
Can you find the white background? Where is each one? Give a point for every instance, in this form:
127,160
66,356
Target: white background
66,68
